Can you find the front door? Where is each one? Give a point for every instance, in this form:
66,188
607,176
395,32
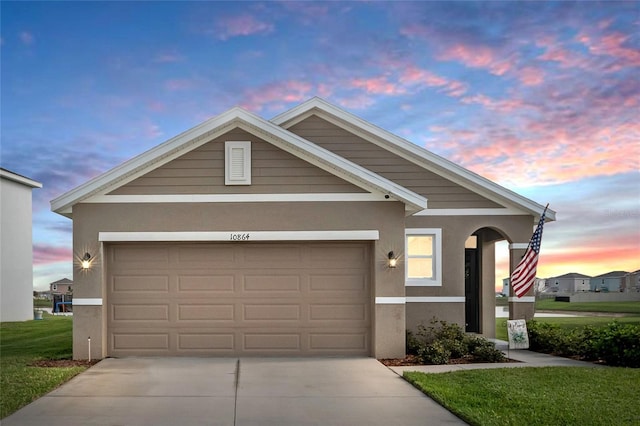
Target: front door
471,291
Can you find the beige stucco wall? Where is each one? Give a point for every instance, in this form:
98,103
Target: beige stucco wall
386,217
455,231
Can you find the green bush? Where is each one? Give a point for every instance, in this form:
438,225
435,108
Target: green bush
441,341
614,344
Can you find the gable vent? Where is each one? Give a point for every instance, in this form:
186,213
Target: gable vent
237,170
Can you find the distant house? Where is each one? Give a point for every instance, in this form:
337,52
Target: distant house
632,281
610,282
16,251
63,286
539,285
570,283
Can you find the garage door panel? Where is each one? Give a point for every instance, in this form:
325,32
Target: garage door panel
147,254
224,283
145,283
241,298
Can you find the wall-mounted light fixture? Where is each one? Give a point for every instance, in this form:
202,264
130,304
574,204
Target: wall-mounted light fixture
393,261
86,261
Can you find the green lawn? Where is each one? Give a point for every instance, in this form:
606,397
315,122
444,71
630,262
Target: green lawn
537,396
22,343
613,307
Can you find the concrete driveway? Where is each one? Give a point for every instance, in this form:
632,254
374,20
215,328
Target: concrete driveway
231,391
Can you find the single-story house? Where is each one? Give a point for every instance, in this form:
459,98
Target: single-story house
572,282
313,233
16,251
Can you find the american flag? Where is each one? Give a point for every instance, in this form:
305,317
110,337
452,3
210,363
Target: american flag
524,275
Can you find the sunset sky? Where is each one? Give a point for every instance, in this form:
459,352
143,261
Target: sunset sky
542,98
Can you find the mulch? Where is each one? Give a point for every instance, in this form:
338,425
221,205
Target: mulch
413,360
63,363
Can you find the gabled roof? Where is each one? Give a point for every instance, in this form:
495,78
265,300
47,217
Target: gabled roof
571,275
411,152
216,126
62,281
612,274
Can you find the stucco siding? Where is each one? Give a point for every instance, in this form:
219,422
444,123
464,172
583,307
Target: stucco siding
201,171
16,262
441,193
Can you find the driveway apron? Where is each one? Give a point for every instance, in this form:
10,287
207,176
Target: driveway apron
232,391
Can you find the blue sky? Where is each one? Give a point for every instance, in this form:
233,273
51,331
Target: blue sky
542,98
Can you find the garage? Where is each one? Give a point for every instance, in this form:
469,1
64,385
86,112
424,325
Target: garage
238,298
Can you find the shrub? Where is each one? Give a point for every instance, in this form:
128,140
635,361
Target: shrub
434,353
618,344
487,352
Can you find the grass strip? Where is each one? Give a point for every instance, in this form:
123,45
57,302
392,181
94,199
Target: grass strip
537,395
22,343
610,307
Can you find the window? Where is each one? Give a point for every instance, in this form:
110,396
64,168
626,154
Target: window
423,263
237,163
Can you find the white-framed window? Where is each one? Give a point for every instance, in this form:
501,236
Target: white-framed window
423,257
237,163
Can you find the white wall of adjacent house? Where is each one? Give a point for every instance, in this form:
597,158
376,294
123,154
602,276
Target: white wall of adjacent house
16,253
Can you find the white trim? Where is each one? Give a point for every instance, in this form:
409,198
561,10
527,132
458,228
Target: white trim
524,299
471,212
95,301
410,152
235,198
9,175
232,175
436,281
390,300
241,236
436,299
518,246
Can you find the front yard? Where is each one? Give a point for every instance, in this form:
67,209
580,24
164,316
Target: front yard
23,344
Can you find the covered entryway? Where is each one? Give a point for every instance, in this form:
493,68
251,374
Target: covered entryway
203,299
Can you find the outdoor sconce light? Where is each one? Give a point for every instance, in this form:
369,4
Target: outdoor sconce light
392,260
86,261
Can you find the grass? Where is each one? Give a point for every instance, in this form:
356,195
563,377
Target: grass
22,343
611,307
42,303
537,396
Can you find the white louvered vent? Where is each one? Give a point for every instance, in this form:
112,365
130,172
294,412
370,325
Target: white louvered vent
237,169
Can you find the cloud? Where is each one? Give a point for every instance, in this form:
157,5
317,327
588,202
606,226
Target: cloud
478,57
44,254
241,26
377,85
276,95
27,38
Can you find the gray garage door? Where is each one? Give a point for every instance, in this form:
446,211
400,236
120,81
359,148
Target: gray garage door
168,299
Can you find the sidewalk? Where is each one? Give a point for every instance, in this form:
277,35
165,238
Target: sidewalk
526,358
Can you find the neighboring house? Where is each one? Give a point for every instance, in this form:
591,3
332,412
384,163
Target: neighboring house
314,233
569,283
63,286
632,281
539,285
16,250
609,282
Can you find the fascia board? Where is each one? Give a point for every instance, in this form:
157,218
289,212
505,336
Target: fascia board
411,152
140,163
204,132
9,175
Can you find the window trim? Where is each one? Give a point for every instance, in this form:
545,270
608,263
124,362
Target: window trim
246,150
436,281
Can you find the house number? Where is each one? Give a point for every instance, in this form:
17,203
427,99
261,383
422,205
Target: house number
239,237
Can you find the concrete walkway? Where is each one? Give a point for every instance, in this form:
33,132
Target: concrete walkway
230,391
525,358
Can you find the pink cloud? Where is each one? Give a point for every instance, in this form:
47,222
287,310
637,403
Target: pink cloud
505,105
277,95
530,76
44,254
417,76
243,25
477,57
377,85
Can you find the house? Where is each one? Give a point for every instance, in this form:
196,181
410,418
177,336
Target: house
610,282
313,233
569,283
632,281
63,286
16,251
539,285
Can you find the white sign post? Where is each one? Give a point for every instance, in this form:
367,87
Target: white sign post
517,332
